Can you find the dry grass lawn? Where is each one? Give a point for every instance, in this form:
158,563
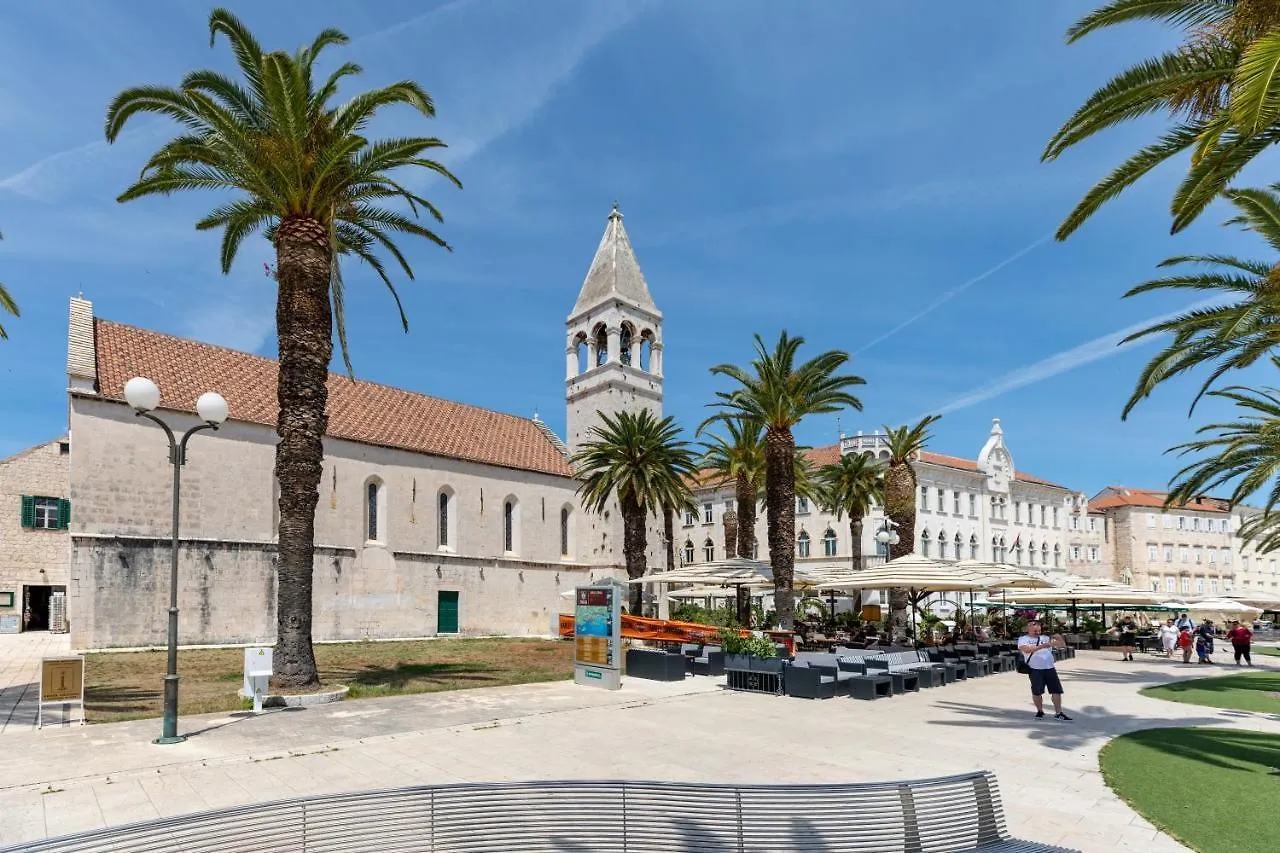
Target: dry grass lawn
129,685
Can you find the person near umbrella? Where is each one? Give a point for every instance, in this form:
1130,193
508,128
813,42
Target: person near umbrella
1185,642
1128,637
1168,637
1184,623
1037,651
1240,638
1204,642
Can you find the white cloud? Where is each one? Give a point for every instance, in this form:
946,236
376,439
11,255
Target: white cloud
1088,352
947,296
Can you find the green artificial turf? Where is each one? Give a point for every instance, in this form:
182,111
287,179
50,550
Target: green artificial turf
1212,789
1239,691
1269,651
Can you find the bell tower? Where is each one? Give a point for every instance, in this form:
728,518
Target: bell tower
613,347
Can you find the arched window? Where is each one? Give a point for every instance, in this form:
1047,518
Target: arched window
565,516
625,338
995,550
924,542
375,511
942,544
1044,553
973,547
1031,553
511,526
645,359
709,549
829,543
601,336
1057,555
446,520
802,544
688,552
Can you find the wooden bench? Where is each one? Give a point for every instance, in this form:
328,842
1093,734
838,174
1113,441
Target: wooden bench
944,815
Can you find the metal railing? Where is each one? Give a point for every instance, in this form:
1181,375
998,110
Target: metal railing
954,813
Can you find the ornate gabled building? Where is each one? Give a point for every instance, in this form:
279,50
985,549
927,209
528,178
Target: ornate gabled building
981,508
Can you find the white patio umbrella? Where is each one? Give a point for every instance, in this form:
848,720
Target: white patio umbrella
1004,577
918,574
1262,598
1075,591
1223,609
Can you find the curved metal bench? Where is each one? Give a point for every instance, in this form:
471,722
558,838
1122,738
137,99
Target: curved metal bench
944,815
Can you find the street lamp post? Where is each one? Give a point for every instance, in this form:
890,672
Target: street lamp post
143,396
887,536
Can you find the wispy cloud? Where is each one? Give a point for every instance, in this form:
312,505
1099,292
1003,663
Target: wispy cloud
948,295
1105,346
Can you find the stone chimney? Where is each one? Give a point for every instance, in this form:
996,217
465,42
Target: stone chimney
82,361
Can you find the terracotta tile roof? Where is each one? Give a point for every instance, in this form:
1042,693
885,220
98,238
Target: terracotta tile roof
1118,496
830,454
358,411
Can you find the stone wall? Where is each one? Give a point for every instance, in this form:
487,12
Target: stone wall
121,486
30,557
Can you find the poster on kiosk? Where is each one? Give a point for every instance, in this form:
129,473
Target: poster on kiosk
597,636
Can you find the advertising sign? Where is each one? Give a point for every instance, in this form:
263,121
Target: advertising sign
597,640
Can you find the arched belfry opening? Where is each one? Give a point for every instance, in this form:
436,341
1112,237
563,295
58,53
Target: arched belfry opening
600,344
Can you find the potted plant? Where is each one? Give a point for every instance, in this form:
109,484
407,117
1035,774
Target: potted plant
1093,627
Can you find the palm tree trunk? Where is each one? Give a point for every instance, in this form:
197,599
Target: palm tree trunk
780,509
669,531
855,546
304,326
745,495
634,546
900,505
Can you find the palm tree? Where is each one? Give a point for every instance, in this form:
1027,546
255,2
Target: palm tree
1244,452
739,459
641,462
7,304
778,393
1231,335
905,445
1216,86
852,486
300,170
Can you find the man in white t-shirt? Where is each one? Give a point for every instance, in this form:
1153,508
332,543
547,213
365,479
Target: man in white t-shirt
1037,651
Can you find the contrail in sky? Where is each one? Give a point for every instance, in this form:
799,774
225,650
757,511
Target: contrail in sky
954,292
1088,352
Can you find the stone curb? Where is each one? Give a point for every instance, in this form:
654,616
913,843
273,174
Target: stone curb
302,700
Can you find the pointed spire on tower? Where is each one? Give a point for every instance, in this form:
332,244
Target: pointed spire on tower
615,272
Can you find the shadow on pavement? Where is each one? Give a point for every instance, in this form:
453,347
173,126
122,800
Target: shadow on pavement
1090,723
241,716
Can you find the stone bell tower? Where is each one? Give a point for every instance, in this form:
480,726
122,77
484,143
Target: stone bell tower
614,344
613,355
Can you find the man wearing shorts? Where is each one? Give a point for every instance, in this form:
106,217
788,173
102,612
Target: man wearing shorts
1037,651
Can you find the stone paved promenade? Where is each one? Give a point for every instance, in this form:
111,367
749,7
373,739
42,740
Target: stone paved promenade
64,780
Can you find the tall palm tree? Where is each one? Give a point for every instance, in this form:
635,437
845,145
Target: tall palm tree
1230,335
300,170
8,305
778,393
1244,454
642,463
739,458
900,484
851,487
1215,86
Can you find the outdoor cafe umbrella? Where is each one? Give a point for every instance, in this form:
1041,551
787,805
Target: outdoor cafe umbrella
736,572
1262,598
918,574
1224,609
1075,591
1004,577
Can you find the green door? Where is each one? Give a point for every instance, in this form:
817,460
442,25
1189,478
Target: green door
446,612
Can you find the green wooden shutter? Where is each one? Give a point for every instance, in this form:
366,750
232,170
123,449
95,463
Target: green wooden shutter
28,511
64,513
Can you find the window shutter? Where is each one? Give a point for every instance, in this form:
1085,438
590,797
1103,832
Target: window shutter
64,513
28,511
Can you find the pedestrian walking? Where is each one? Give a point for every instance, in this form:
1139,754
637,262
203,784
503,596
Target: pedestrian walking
1185,642
1241,638
1184,622
1037,653
1128,633
1168,637
1204,642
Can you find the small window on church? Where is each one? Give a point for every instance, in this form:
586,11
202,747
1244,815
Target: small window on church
625,341
602,345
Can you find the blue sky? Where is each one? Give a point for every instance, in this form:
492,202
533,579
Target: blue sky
864,175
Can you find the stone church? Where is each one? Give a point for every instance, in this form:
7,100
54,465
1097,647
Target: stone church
435,517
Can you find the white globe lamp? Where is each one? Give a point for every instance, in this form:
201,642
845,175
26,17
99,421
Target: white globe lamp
142,394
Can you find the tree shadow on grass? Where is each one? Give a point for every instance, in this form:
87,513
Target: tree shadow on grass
402,674
121,700
1212,745
1090,723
